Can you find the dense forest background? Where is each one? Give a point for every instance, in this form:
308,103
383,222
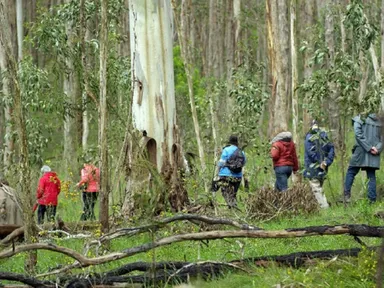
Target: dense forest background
149,91
251,68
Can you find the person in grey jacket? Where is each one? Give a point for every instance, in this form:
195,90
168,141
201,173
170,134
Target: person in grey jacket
366,154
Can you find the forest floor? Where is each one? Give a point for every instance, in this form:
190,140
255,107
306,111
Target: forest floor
337,272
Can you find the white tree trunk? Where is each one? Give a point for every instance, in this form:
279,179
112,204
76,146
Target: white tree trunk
294,75
70,88
153,103
153,107
20,30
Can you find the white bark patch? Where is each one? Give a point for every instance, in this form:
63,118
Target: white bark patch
153,107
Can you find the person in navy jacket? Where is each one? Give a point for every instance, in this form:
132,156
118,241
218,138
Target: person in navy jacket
229,180
318,156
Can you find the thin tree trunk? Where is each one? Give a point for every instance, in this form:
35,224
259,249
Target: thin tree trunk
295,105
278,34
103,120
187,59
20,30
71,91
334,114
382,34
24,195
308,21
213,71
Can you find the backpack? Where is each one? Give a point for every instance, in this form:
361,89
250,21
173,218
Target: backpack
236,161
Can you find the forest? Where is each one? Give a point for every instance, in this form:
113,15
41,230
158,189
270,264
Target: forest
150,93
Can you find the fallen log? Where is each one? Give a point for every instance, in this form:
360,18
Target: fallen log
24,279
5,230
175,272
83,261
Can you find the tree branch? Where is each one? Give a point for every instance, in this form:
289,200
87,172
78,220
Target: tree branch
354,230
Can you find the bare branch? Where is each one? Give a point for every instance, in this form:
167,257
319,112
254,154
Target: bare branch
354,230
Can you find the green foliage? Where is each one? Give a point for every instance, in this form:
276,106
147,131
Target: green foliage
250,96
363,32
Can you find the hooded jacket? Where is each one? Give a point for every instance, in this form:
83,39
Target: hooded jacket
90,176
318,148
48,189
367,135
283,151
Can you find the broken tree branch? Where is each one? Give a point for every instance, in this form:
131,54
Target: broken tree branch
24,279
353,229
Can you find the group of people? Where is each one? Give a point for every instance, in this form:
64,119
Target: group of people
49,189
318,156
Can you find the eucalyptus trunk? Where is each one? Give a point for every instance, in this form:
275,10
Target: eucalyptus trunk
382,34
71,91
307,20
24,193
294,75
278,46
333,106
103,120
7,85
153,105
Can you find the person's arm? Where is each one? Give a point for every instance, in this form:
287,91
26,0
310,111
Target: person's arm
84,178
360,137
275,152
40,188
223,158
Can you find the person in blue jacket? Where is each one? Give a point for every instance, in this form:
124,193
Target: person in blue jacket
318,156
229,179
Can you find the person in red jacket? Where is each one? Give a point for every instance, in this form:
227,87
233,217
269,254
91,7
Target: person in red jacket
283,153
89,184
47,194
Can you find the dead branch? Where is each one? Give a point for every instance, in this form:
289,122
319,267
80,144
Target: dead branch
183,217
16,233
24,279
182,270
353,229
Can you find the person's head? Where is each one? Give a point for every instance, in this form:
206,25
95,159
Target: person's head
233,140
45,169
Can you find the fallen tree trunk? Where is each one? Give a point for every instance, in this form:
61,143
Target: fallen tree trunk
24,279
5,230
175,272
83,261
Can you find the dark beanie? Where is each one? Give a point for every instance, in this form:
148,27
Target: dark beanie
233,140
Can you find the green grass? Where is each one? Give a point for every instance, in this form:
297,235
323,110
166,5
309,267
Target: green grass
335,273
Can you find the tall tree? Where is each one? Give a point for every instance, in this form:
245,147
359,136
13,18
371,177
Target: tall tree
24,193
334,115
103,119
71,91
153,107
7,84
278,49
308,21
294,74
